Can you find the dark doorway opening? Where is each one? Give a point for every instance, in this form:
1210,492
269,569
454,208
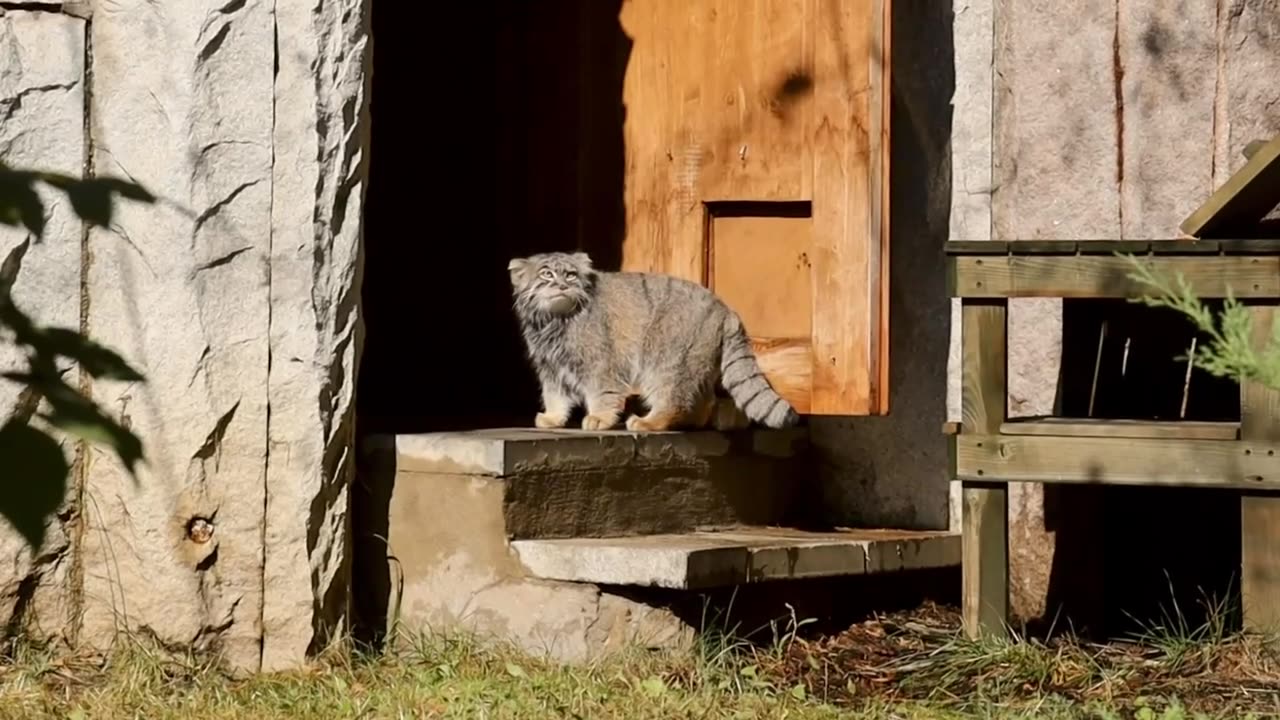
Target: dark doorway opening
497,132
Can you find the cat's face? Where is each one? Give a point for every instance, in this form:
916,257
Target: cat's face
555,284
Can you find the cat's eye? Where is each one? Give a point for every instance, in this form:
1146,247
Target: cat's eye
545,274
570,274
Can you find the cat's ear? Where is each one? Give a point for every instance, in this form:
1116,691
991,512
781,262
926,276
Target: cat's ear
583,261
519,270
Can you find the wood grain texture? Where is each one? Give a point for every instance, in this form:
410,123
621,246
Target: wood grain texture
1260,513
984,521
850,233
985,560
755,109
983,372
751,254
1092,427
664,137
1107,277
1118,461
1251,243
771,101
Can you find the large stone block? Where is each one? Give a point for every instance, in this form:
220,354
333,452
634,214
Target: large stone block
446,513
42,106
321,141
563,483
181,103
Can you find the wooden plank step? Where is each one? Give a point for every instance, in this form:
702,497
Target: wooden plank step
718,558
1094,427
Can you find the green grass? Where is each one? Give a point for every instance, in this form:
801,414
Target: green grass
438,677
909,666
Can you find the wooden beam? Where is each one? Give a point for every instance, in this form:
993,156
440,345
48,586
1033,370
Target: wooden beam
983,390
1251,246
1118,461
984,556
1095,427
976,247
985,519
1084,276
1260,512
1255,236
1244,199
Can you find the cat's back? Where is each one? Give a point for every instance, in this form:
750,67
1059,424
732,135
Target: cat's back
644,293
657,312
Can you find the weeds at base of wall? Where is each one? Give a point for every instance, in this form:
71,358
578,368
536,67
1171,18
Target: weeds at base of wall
905,665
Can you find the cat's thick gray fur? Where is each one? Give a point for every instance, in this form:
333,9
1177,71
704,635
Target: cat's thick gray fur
596,338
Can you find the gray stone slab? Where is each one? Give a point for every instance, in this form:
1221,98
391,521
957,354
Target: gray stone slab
606,484
704,559
509,451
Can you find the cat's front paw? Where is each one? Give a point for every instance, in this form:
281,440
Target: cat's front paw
546,421
595,422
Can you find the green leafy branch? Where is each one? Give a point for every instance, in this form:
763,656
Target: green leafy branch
35,466
1230,351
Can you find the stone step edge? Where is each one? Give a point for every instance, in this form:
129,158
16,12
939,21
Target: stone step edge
708,559
503,452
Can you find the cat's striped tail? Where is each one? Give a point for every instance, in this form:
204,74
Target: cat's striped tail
741,377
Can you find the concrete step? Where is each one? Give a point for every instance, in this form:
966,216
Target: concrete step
568,483
707,559
482,531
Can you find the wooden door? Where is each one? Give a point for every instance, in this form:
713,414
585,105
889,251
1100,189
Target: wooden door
757,163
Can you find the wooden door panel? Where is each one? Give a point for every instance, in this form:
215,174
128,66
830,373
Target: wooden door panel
759,264
769,105
751,126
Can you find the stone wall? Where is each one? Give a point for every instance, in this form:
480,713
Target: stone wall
236,295
1101,119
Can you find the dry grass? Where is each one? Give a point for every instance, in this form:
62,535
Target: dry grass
1168,670
909,665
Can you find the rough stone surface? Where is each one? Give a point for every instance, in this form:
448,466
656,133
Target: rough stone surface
580,484
1166,56
181,103
501,452
971,186
236,295
1248,98
42,105
698,560
321,161
448,538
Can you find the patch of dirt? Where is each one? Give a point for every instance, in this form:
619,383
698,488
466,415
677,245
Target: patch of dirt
922,655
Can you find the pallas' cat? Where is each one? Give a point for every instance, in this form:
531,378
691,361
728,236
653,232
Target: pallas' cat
598,338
